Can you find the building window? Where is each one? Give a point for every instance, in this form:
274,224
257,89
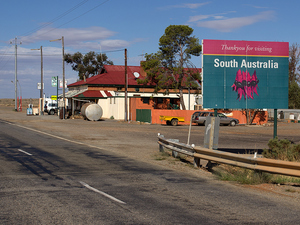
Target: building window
146,100
160,100
174,100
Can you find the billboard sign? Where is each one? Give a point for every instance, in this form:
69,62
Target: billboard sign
245,74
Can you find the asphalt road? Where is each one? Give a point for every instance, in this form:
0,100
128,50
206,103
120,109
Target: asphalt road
55,179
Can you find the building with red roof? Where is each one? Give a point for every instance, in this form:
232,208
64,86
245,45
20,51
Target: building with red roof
108,90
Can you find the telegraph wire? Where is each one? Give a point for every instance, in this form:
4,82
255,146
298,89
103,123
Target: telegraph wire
59,17
56,18
32,54
74,18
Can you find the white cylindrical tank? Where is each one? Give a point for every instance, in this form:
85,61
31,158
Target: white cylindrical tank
91,111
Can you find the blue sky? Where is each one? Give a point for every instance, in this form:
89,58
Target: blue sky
110,26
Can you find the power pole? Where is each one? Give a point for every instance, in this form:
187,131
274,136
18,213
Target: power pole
16,80
42,82
126,84
63,66
63,61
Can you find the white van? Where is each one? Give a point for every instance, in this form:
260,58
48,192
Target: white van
50,106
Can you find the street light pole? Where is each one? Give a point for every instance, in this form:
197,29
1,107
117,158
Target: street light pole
42,81
63,61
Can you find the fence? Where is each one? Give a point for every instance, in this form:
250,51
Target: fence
245,161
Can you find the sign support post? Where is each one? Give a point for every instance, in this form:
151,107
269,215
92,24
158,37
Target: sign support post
275,123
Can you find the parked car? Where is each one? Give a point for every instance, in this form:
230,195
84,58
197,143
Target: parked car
200,118
50,108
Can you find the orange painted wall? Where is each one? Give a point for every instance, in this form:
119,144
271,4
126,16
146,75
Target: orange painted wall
260,118
137,103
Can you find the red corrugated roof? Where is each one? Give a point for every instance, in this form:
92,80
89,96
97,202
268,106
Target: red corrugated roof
108,94
114,76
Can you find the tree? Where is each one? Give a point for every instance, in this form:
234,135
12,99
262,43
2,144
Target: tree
87,65
294,77
294,59
294,95
170,67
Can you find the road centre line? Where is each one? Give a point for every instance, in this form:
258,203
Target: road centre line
102,193
20,150
76,142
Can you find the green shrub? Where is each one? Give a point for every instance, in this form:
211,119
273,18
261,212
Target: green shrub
241,175
282,150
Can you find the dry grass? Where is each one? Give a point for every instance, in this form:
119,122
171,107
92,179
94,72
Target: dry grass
25,102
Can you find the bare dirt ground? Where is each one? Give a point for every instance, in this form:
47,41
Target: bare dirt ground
139,141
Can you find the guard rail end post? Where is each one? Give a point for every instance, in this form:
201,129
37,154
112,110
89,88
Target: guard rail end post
209,165
174,153
161,148
196,162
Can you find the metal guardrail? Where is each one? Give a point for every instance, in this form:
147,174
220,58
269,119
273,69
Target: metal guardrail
245,161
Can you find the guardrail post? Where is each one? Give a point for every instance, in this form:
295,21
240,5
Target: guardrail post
196,162
174,153
161,148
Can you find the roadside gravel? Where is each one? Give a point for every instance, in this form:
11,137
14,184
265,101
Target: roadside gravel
139,141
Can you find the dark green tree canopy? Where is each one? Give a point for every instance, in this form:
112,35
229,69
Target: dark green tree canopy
177,45
294,95
170,67
87,65
294,77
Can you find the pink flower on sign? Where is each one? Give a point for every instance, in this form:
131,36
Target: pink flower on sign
245,84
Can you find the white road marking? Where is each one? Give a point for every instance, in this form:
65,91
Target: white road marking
102,193
20,150
75,142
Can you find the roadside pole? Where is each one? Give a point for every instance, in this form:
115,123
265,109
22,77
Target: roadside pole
57,94
275,124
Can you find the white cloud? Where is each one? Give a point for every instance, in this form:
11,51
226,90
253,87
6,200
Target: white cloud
214,16
227,25
72,34
198,17
109,44
186,5
203,17
79,38
193,5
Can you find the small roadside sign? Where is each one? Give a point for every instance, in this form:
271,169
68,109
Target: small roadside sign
39,86
61,84
54,81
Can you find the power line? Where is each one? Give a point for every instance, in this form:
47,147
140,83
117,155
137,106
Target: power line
56,18
74,18
27,54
